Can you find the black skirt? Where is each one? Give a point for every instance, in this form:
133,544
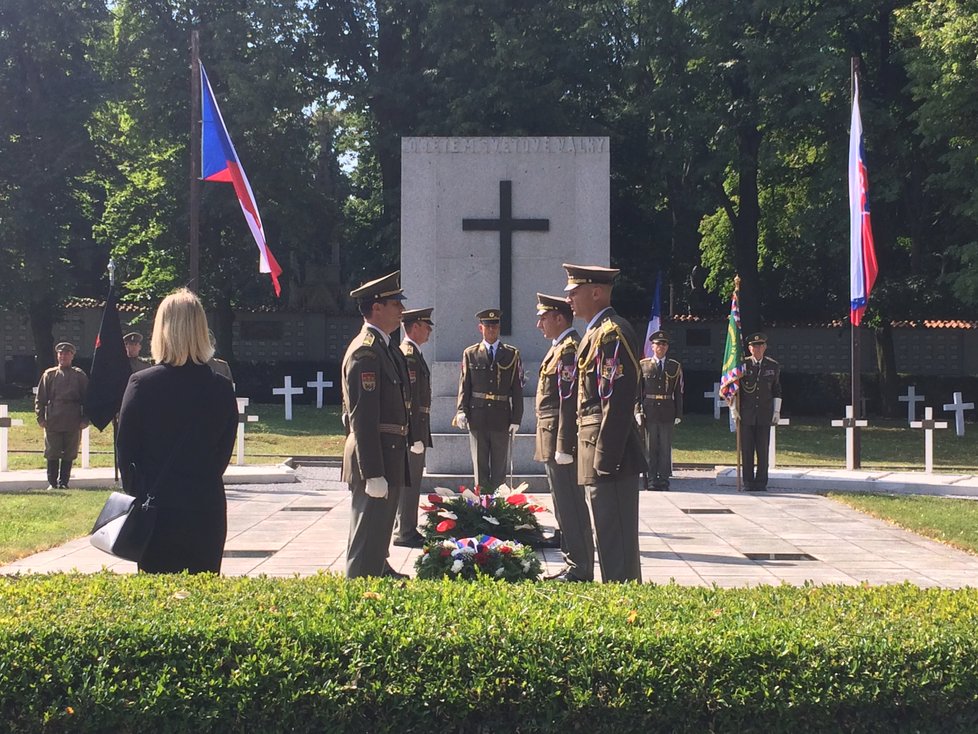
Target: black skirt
187,539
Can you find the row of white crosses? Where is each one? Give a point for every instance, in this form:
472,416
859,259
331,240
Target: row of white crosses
850,423
319,384
956,406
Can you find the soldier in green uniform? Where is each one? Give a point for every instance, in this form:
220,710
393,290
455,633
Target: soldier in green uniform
760,408
609,450
376,404
660,408
60,410
134,343
490,401
556,446
417,326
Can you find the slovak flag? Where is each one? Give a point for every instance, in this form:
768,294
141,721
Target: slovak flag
862,253
655,316
219,162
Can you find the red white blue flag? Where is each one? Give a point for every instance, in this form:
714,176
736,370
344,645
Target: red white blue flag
862,253
655,317
219,162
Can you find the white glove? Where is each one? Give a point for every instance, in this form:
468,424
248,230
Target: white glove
417,447
639,418
678,421
377,488
733,411
461,421
560,458
777,412
513,428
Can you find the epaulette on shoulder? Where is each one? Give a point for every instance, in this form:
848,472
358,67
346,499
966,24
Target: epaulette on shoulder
771,360
369,339
407,348
609,330
364,352
510,346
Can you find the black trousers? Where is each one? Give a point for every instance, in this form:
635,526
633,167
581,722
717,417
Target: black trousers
754,443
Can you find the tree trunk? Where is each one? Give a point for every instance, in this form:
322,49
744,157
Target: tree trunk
887,370
745,227
42,329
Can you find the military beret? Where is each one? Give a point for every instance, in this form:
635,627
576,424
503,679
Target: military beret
659,336
584,274
757,338
65,347
133,337
381,289
489,316
417,314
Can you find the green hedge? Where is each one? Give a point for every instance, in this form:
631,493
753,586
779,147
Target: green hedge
108,653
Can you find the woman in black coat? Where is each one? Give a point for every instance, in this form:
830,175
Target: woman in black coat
177,427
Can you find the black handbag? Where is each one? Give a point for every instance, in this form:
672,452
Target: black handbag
124,526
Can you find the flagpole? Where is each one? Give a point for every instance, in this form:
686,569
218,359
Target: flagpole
115,420
739,454
856,371
194,283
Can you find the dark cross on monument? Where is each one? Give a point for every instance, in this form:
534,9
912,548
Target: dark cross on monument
506,225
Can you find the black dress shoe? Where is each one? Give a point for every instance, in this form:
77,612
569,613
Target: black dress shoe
552,541
415,541
390,573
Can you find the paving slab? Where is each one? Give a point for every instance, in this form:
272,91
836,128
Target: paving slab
796,536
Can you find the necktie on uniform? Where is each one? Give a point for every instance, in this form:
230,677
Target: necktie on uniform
491,354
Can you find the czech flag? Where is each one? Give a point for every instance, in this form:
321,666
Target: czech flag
219,162
655,316
862,253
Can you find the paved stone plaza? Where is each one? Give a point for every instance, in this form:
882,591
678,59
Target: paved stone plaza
699,534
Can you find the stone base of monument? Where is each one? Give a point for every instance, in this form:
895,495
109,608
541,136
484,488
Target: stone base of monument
450,461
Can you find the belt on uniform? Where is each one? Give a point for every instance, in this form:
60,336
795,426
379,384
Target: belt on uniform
658,397
393,428
422,409
589,420
490,396
548,413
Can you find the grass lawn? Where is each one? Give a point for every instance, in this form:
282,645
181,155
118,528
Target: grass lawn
949,520
311,432
698,440
36,520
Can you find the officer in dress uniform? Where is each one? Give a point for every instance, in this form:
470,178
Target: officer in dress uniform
376,405
609,449
134,343
556,446
760,408
490,401
417,326
660,408
60,410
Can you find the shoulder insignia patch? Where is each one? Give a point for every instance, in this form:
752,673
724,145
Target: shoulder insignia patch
368,381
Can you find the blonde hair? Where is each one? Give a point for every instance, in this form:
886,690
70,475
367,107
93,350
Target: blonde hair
180,331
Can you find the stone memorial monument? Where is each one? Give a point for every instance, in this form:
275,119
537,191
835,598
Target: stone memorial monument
487,222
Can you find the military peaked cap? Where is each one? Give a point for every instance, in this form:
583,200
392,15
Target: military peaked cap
133,337
489,316
659,336
418,314
381,289
584,274
65,347
547,303
757,338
